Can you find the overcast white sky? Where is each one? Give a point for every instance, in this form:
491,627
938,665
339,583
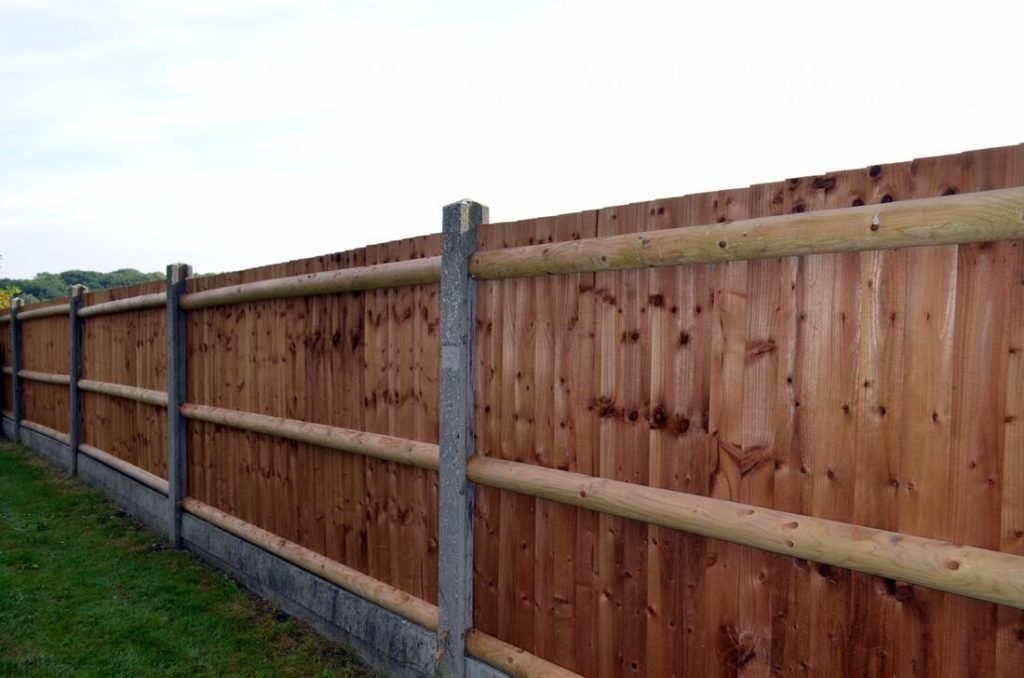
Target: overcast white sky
229,134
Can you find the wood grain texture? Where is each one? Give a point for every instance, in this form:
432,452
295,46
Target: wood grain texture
361,361
977,217
844,386
977,573
126,348
881,388
45,350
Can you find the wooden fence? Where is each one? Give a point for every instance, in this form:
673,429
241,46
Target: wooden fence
765,431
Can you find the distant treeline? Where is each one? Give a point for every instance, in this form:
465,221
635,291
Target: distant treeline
51,285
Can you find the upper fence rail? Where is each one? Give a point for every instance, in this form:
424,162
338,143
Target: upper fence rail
951,220
405,273
958,219
984,216
137,303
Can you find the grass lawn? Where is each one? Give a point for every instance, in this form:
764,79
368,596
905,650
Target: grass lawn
84,591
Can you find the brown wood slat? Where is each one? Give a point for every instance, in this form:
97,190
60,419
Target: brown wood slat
880,388
843,452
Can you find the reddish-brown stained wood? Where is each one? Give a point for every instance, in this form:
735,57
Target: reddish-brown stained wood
332,359
880,388
1010,623
126,348
879,441
44,341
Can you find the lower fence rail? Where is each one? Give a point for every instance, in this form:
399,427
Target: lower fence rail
45,430
150,480
487,648
45,377
994,576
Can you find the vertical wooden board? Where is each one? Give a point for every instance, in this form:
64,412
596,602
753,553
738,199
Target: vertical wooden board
487,353
585,438
241,326
568,403
376,420
875,607
752,449
262,381
623,451
523,509
45,341
557,322
978,408
290,506
692,555
998,168
194,439
541,447
609,534
676,433
507,547
45,404
925,465
426,385
323,324
515,512
832,307
410,517
323,400
126,348
733,644
791,652
357,506
6,402
45,348
1010,622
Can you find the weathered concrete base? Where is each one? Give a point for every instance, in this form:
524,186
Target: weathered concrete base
54,451
146,505
386,642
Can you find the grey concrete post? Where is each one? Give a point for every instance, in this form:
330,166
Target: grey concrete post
177,448
455,548
74,374
16,388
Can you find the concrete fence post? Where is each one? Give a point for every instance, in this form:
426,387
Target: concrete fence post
74,374
177,447
455,548
16,386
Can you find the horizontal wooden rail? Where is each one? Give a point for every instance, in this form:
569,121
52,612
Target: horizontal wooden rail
966,218
141,395
376,276
45,431
58,309
978,573
409,606
498,653
8,370
150,480
5,318
45,377
139,303
412,452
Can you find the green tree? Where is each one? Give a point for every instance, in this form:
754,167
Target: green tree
45,286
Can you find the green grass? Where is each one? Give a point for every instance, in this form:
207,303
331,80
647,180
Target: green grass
85,592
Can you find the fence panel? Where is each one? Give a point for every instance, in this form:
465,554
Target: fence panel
128,349
867,387
45,349
366,361
879,388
